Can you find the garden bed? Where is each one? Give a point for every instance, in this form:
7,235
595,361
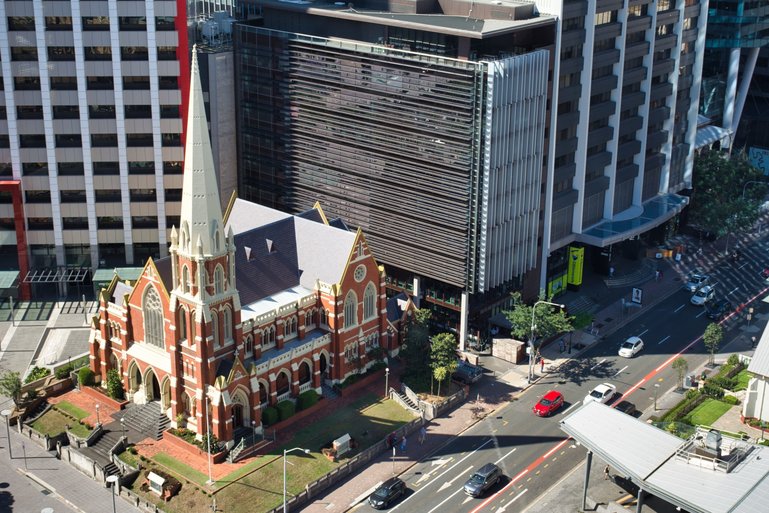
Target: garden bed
97,394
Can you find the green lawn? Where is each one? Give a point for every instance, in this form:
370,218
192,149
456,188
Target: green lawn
707,413
258,486
743,378
71,409
54,422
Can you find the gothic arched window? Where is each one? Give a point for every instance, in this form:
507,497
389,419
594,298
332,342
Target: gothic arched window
249,345
350,310
369,302
218,280
181,326
186,284
215,327
227,325
153,318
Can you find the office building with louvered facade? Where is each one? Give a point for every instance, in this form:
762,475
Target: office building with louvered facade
428,132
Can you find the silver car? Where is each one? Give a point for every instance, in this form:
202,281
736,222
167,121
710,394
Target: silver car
696,281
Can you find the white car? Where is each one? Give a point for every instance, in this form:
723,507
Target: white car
631,347
696,281
603,393
703,295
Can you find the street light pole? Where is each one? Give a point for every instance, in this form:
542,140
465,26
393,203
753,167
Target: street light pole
98,422
387,380
7,415
112,480
533,327
253,432
285,452
656,388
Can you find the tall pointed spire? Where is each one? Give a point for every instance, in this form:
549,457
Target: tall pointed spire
201,215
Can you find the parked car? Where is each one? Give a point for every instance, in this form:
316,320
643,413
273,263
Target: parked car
603,393
467,373
703,295
483,479
696,281
626,407
716,310
631,347
387,493
549,403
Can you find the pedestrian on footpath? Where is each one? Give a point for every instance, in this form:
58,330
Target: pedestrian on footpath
561,346
606,475
657,275
611,271
422,435
403,444
753,341
541,364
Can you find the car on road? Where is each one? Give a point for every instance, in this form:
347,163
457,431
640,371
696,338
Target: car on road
549,403
716,310
483,479
696,281
703,295
603,393
631,347
626,407
387,493
467,373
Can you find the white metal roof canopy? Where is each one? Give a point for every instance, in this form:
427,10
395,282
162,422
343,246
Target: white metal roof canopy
647,456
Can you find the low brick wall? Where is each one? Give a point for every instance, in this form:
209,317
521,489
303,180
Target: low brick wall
105,399
194,449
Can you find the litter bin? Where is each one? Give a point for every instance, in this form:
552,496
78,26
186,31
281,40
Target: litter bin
688,381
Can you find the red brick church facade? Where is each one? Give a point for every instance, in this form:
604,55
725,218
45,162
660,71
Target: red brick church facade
250,308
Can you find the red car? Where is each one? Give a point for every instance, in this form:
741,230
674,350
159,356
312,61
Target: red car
548,404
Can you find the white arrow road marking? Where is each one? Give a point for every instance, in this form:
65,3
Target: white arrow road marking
620,371
597,364
735,289
506,455
679,308
503,508
663,340
404,501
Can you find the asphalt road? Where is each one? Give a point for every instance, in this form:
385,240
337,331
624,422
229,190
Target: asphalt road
533,452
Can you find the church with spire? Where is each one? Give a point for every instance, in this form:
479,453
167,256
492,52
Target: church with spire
251,308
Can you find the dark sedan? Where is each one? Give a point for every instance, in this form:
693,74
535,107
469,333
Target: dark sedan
387,493
717,310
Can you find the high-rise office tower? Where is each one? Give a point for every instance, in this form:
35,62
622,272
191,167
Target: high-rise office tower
383,112
91,130
426,131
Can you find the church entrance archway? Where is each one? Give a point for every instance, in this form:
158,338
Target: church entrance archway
323,366
152,386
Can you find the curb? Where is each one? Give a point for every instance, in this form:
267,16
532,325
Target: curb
40,482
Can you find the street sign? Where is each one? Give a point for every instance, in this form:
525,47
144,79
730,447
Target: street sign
637,295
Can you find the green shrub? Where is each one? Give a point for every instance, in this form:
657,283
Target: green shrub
352,378
270,415
733,359
37,373
730,399
581,320
692,393
114,384
85,377
204,443
722,382
713,391
63,372
286,409
307,399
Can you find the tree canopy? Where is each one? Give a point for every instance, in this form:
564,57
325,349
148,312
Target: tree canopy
717,203
549,320
10,386
712,337
443,356
416,350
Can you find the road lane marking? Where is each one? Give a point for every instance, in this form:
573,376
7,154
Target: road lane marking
743,265
642,333
570,407
506,455
620,371
735,289
663,340
679,308
699,314
442,474
467,471
445,500
597,364
503,508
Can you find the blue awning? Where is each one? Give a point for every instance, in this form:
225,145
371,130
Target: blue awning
650,215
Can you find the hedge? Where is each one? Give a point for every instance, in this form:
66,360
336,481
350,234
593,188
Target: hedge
730,399
307,399
286,409
683,408
270,415
85,377
37,373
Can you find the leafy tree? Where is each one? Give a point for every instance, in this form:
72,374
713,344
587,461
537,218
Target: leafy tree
443,356
717,203
10,386
548,320
37,373
114,384
681,366
712,337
